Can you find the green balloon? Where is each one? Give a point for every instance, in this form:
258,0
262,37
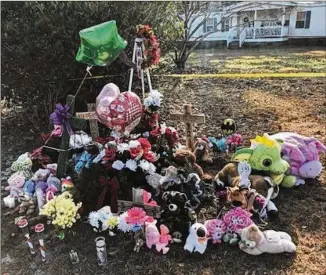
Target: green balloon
100,44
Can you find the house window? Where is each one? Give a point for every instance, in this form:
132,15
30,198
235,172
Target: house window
303,20
225,25
209,24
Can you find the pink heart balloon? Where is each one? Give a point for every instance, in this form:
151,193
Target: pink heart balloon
122,114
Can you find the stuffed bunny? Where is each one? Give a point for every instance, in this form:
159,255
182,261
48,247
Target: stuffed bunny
255,242
302,153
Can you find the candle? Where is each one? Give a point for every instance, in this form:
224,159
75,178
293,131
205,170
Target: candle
22,224
101,251
39,228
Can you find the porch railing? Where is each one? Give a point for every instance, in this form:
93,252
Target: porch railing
231,36
264,32
242,37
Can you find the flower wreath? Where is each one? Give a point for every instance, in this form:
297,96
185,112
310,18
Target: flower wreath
152,50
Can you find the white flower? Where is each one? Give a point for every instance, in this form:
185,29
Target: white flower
152,168
93,218
144,164
156,94
122,147
131,165
148,101
133,143
109,144
123,225
157,101
99,157
120,109
118,165
163,128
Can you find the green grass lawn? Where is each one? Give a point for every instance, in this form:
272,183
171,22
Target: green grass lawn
260,60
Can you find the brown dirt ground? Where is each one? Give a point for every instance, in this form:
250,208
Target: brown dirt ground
258,106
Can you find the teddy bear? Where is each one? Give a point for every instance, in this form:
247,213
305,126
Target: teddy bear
197,238
256,242
16,183
175,214
41,175
184,157
202,150
23,164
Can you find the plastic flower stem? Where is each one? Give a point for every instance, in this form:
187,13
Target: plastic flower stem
39,228
23,225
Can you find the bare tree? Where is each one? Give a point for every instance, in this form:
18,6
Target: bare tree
191,12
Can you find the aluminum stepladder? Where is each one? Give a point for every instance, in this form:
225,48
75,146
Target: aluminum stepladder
137,57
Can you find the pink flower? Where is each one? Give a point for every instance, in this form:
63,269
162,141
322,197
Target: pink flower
136,216
237,219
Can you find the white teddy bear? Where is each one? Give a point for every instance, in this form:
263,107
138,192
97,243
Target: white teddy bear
255,242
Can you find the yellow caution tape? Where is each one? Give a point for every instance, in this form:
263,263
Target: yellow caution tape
253,75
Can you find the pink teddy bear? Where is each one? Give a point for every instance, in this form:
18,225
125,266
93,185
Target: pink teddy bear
16,183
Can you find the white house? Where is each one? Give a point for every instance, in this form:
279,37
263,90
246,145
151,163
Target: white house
254,22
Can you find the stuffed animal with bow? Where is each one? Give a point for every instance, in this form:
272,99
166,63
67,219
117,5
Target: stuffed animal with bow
16,183
216,229
202,150
255,242
302,153
153,237
197,238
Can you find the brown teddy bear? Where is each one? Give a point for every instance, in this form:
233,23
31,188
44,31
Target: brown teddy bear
229,176
202,150
184,157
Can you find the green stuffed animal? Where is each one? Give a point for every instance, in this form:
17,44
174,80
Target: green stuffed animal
265,155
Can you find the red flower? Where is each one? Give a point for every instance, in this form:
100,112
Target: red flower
156,133
145,144
110,154
168,132
135,152
150,156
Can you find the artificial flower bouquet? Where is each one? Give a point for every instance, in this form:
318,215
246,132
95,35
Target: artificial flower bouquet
62,210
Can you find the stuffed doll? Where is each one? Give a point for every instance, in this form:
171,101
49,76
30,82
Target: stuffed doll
40,190
41,175
229,176
216,229
23,164
29,188
186,157
175,214
202,150
16,183
152,234
264,155
197,238
164,240
302,153
53,187
255,242
67,184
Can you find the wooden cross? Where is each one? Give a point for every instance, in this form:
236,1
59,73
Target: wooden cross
137,201
188,119
92,117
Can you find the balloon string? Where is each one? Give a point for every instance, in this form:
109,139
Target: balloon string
81,83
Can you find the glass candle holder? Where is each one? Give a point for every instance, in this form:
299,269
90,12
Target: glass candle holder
101,251
39,229
23,225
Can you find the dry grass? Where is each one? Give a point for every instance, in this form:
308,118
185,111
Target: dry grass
260,60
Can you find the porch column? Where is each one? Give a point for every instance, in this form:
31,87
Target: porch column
255,18
283,21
